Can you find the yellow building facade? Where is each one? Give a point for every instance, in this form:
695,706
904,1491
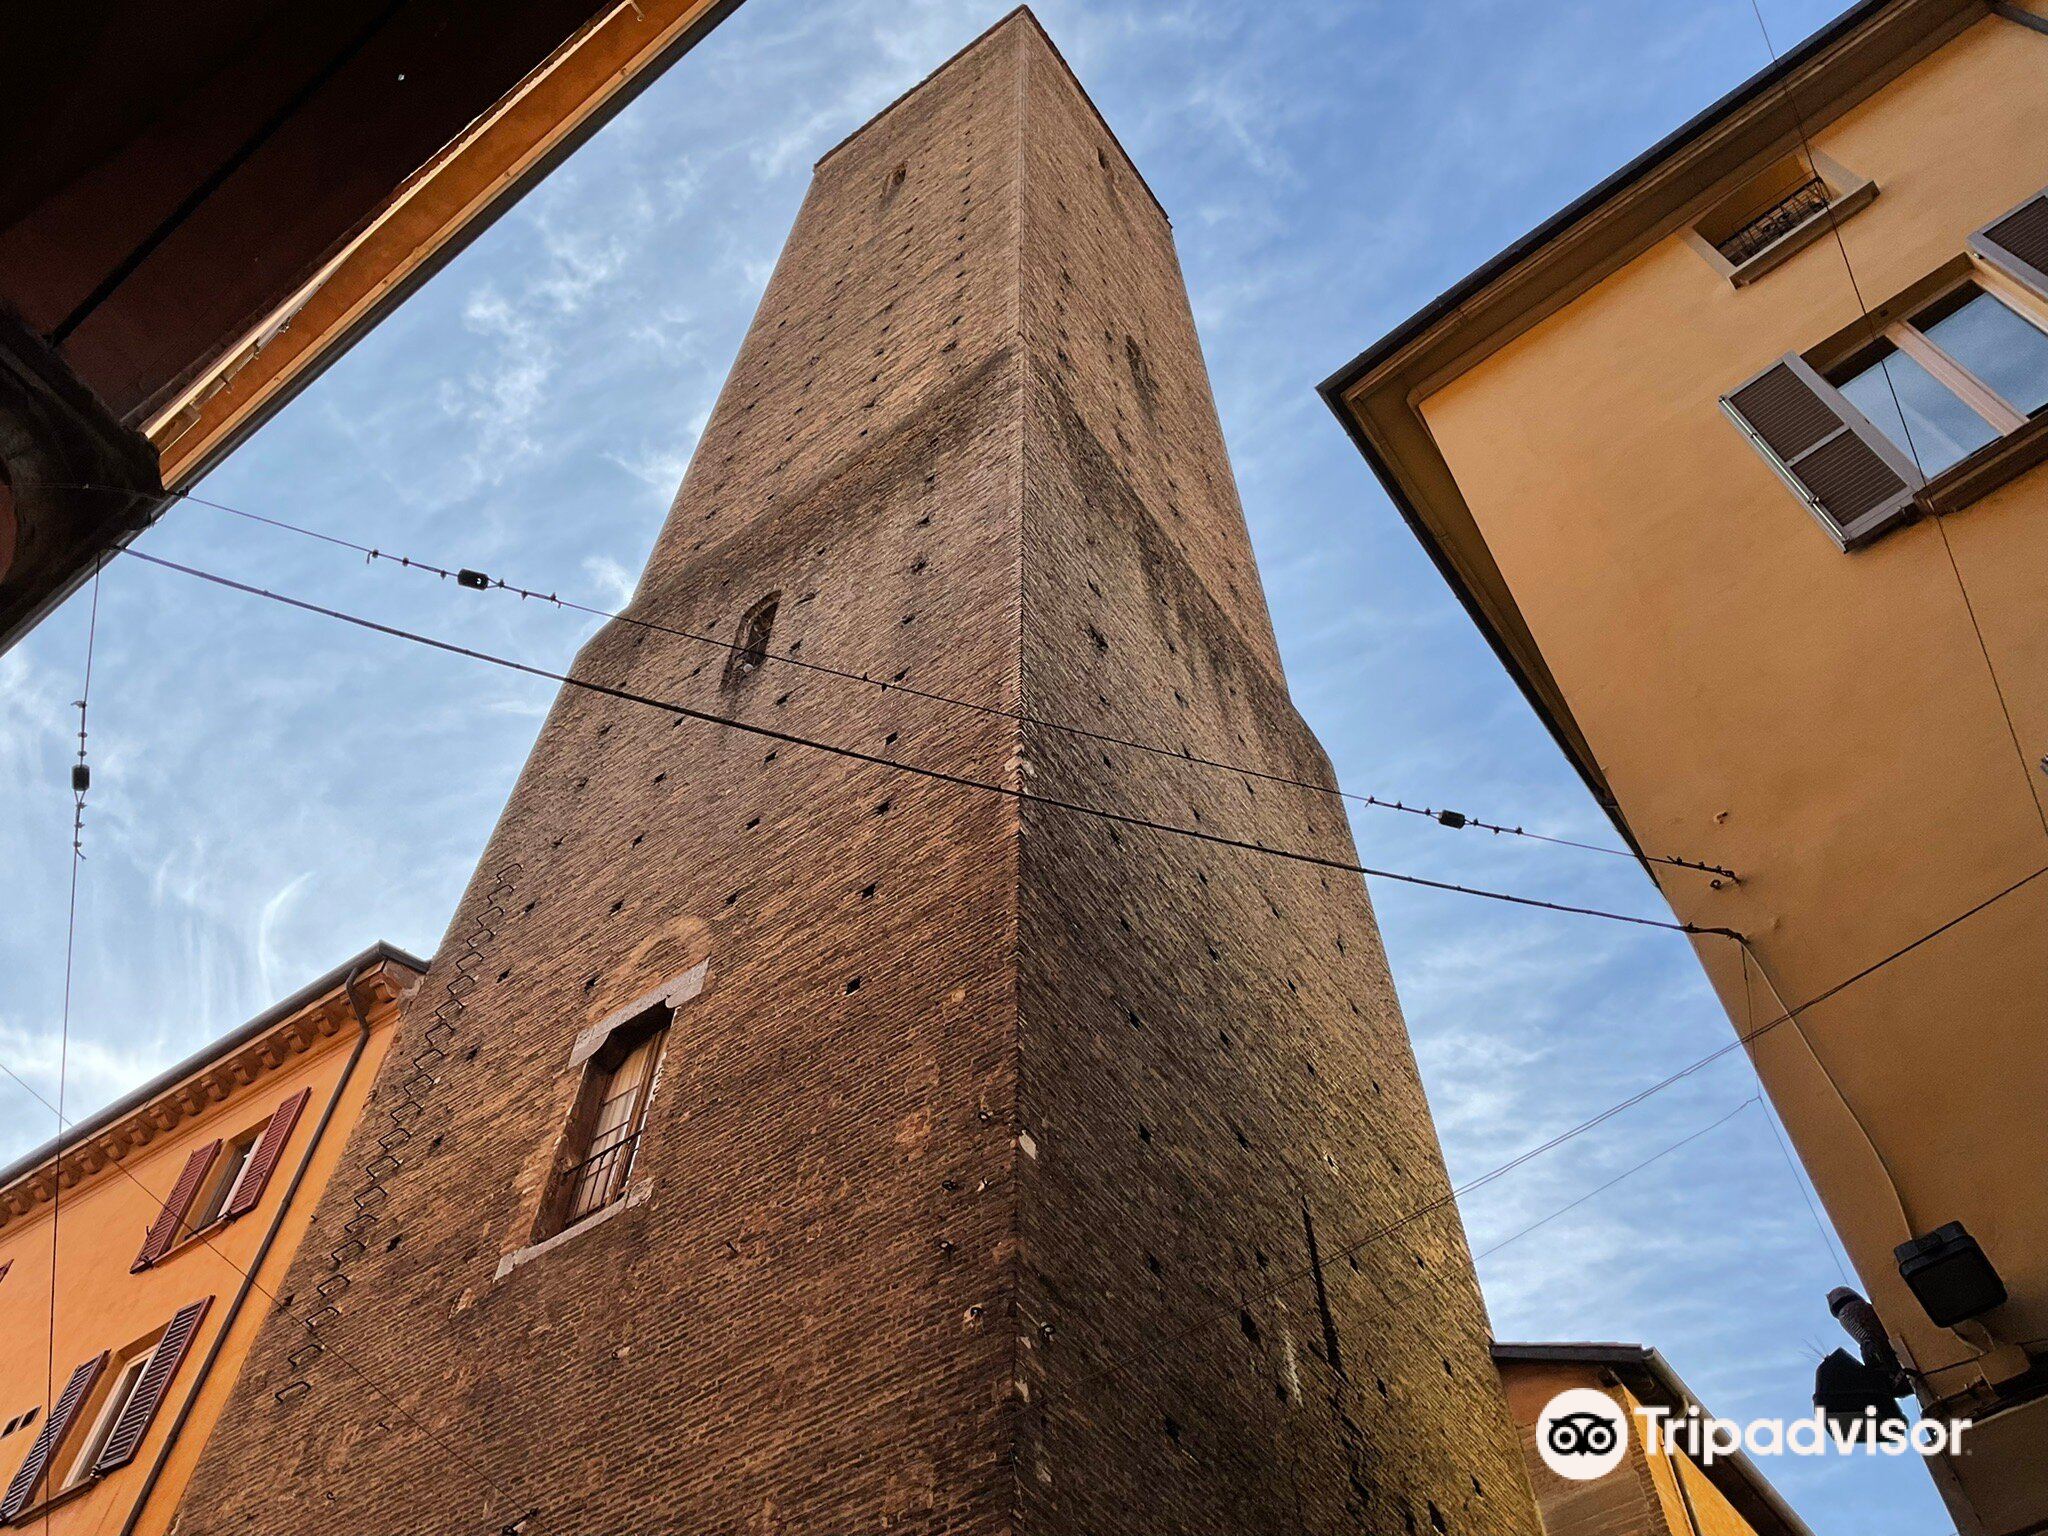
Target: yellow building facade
1735,462
139,1256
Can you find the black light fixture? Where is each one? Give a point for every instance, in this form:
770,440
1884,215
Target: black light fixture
1856,1398
1952,1277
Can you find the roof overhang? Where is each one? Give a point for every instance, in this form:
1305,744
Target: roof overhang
1377,394
202,208
321,1009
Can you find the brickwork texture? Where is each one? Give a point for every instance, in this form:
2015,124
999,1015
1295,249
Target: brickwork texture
1005,1173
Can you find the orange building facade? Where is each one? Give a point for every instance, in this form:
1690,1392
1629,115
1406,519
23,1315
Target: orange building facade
1736,463
1661,1491
170,1217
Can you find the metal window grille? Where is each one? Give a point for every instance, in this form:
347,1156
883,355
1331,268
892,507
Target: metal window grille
1808,200
598,1180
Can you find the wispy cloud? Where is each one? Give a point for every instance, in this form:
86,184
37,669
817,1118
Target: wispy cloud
272,794
612,581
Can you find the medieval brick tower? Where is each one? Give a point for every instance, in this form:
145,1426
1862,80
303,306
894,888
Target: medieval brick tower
799,1145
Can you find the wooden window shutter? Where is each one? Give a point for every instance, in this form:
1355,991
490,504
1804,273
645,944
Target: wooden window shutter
1848,472
2017,243
125,1438
164,1230
22,1491
249,1188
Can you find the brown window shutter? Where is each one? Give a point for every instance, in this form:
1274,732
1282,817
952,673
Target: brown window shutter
2017,243
1847,471
125,1438
22,1491
164,1230
249,1188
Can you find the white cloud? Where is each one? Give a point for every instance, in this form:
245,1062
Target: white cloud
275,792
614,583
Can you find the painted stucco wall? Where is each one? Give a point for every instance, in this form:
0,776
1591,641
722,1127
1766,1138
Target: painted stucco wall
1824,723
98,1304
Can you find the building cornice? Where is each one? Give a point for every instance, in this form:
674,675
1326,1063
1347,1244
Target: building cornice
268,1043
1844,63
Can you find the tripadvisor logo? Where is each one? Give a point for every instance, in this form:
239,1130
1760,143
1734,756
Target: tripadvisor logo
1582,1434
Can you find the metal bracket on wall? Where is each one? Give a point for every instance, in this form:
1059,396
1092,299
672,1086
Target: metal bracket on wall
412,1092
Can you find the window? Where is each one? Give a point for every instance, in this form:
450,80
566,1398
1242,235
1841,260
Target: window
1998,345
229,1168
127,1376
220,1181
1956,376
2016,243
604,1131
98,1422
1934,399
1806,200
750,645
1776,213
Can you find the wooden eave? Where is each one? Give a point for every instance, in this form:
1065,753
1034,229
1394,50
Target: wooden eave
427,221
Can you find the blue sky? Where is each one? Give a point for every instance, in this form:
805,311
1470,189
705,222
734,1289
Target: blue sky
273,792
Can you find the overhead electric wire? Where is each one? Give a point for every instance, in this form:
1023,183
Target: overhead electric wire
1627,1173
80,784
282,1307
1457,1193
965,781
1456,820
81,780
937,775
1791,1167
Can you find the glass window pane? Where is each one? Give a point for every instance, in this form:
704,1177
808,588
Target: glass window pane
1937,428
1998,345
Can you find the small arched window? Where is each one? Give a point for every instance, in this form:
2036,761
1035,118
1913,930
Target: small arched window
750,644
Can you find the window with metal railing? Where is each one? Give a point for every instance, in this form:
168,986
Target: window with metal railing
603,1142
1808,200
1767,219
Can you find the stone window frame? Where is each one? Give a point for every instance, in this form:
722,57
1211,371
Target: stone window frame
668,998
1850,193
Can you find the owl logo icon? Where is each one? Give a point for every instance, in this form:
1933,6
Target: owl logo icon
1582,1434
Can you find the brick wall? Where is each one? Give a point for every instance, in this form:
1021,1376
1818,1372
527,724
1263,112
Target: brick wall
897,1210
1212,1059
